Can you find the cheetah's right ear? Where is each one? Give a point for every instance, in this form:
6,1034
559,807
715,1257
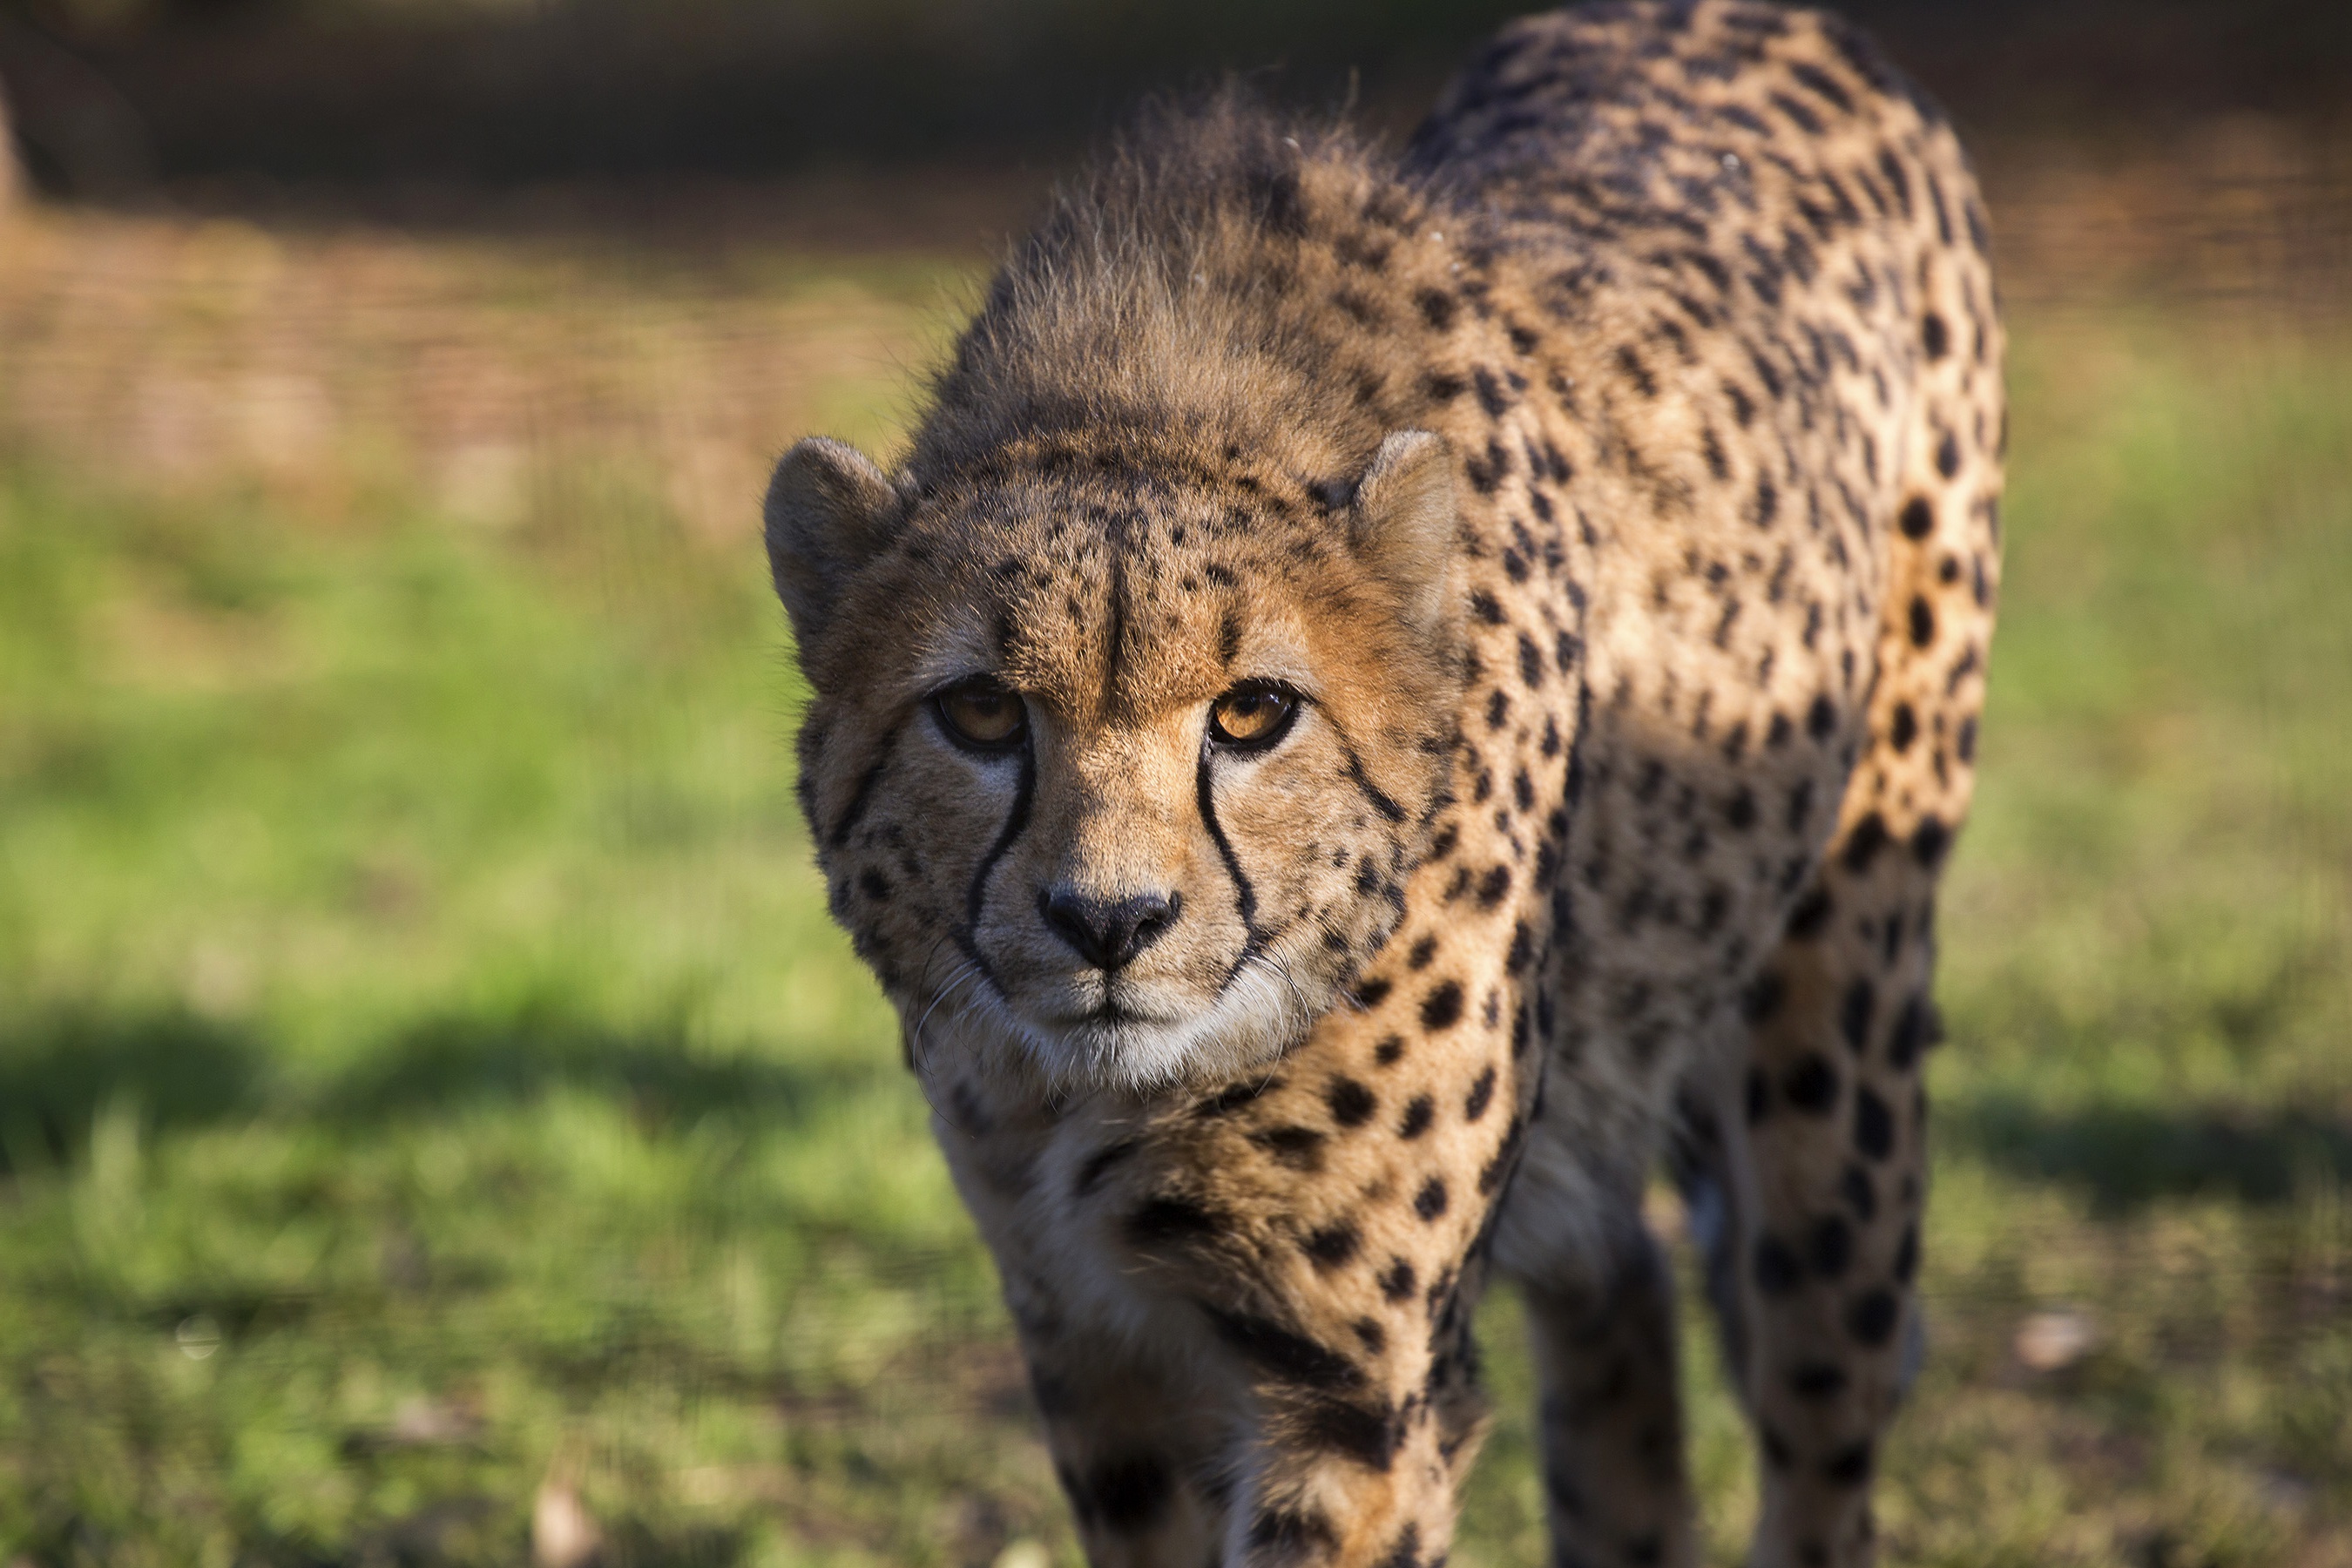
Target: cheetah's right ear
828,513
1401,525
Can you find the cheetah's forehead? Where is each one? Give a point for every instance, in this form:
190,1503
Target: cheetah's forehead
1112,610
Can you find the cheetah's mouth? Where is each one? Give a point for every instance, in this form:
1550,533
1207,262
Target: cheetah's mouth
1121,1035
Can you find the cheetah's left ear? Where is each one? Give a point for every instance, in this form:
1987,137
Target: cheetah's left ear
1401,525
828,513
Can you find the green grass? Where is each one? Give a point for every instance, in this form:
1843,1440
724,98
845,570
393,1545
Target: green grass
425,1068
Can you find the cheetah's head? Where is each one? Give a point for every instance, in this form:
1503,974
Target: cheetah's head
1121,750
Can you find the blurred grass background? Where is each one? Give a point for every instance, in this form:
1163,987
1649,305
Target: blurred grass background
437,1122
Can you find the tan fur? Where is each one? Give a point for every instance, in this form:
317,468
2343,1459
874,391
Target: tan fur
1613,476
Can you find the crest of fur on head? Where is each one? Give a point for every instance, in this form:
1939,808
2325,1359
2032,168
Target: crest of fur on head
1134,689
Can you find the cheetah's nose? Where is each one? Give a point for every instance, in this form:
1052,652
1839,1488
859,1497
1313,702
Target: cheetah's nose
1108,933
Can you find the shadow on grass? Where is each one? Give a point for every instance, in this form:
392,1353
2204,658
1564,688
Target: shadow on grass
173,1068
2129,1156
176,1069
456,1062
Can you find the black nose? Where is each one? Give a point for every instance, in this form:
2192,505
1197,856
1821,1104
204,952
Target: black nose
1108,933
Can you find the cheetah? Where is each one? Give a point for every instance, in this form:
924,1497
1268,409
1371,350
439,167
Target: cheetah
1395,694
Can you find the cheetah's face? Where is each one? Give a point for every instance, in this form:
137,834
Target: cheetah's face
1105,777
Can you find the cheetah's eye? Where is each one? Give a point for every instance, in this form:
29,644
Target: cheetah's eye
1252,716
982,714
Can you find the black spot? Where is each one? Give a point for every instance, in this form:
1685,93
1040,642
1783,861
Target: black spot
1286,1533
1396,1281
1917,519
1777,1270
1391,1047
1430,1201
1817,1380
1855,1009
1934,336
1929,841
1441,1008
1631,363
1483,604
874,884
1948,455
1370,1436
1168,1218
1370,1334
1873,1124
1904,729
1491,888
1812,1084
1850,1466
1289,1356
1352,1103
1371,993
1822,85
1821,718
1234,1096
1417,1116
1763,997
1872,1316
1333,1245
1297,1148
1767,505
1406,1553
1911,1027
1523,947
1922,622
1130,1494
1811,913
1439,387
1907,1254
1741,811
1861,847
1482,1094
1531,662
1491,396
1437,308
1830,1248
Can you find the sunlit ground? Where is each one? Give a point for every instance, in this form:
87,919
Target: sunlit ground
431,1092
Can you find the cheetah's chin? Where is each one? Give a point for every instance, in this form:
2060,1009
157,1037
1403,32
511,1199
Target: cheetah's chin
1258,1019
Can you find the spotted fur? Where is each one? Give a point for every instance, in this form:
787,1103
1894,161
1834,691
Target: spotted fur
1608,484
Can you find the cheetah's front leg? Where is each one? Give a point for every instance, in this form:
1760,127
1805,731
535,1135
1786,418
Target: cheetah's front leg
1136,1452
1358,1470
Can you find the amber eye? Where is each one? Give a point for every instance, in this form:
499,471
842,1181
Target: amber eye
1252,716
983,713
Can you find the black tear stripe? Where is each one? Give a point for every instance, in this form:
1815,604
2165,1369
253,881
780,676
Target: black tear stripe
863,796
1015,821
1244,896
